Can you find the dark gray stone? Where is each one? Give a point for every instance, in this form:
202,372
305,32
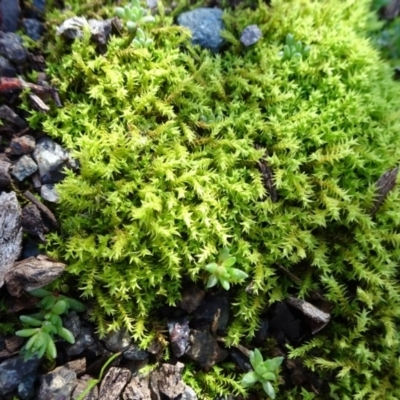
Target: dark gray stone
82,341
118,341
23,145
206,25
26,388
30,249
39,6
48,192
250,35
9,15
179,335
6,69
33,28
11,47
188,394
57,384
13,371
72,322
24,167
133,353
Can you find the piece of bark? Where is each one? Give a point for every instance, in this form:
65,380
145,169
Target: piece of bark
5,178
167,381
137,389
267,176
7,114
81,387
43,209
10,232
383,186
14,343
114,383
32,273
32,221
318,319
79,366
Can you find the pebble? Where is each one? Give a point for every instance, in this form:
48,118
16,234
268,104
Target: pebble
57,384
206,25
33,28
118,341
9,10
24,167
6,69
250,35
23,145
48,192
11,47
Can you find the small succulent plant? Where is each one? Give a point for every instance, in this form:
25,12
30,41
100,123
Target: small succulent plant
223,272
40,328
264,371
294,50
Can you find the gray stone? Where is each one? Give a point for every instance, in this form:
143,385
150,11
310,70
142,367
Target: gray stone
33,28
39,6
24,167
152,3
5,178
250,35
72,322
23,145
179,335
13,371
82,341
6,69
57,384
137,389
9,15
48,192
188,394
51,158
206,25
118,341
72,28
11,47
26,388
133,353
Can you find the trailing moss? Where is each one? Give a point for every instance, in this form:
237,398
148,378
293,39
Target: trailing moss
169,138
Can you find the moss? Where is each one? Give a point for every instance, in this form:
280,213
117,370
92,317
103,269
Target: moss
169,138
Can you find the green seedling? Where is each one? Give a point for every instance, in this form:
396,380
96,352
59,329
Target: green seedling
294,50
134,15
223,272
264,372
41,328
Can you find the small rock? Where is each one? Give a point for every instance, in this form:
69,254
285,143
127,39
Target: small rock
13,343
241,360
72,322
57,384
262,333
78,366
6,69
204,349
13,371
179,335
5,178
137,389
48,192
32,221
118,341
250,35
24,167
71,28
26,388
11,47
33,28
101,30
51,158
81,387
7,114
152,4
133,353
206,25
23,145
82,341
188,394
114,383
30,248
39,6
192,296
167,381
9,11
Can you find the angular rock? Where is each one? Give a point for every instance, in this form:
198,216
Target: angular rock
11,47
5,178
49,193
82,341
57,384
204,349
9,13
179,335
32,273
24,167
7,114
78,366
10,232
39,7
23,145
192,296
114,383
250,35
241,360
137,389
26,388
6,69
118,341
101,30
33,28
206,26
133,353
167,381
51,158
13,371
188,394
32,221
72,28
43,209
73,323
81,387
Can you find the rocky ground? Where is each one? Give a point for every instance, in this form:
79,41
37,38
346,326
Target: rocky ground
30,164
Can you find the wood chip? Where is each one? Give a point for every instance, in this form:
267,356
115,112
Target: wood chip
383,186
267,176
114,383
10,232
43,209
32,273
5,178
167,381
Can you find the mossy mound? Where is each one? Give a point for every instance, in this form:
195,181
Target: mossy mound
169,140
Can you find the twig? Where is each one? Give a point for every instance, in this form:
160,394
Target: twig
28,195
